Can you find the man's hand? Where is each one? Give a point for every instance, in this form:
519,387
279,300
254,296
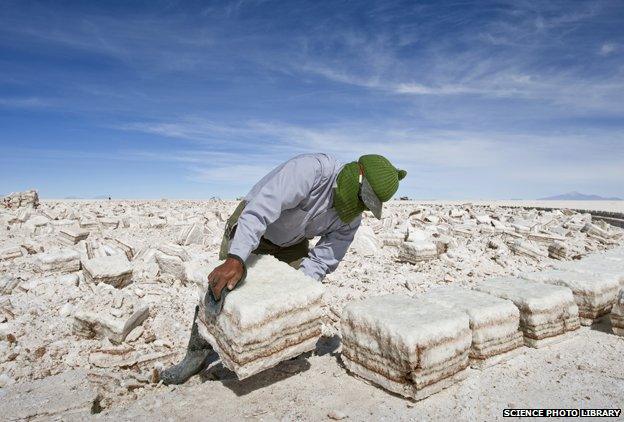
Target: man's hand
227,274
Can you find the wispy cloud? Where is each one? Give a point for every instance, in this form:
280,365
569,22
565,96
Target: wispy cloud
607,48
27,102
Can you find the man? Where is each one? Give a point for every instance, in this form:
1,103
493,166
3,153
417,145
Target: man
310,195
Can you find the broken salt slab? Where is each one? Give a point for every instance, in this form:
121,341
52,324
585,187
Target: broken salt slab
114,270
412,347
275,315
594,293
414,252
191,235
494,323
72,236
63,261
110,313
10,253
547,312
617,315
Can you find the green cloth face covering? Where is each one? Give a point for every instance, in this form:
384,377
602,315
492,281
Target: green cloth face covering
346,201
381,175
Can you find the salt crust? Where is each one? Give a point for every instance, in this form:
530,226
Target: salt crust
494,321
276,314
594,293
545,310
64,261
617,315
405,345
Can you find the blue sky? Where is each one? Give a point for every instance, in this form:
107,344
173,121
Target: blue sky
183,99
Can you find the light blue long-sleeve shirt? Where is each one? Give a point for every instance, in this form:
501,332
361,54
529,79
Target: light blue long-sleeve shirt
295,201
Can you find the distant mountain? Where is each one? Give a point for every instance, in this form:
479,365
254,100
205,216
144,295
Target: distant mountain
577,196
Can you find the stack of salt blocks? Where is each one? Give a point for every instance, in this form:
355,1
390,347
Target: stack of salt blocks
494,323
412,347
594,293
276,314
548,313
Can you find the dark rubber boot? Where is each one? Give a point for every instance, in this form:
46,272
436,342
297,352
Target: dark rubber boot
196,353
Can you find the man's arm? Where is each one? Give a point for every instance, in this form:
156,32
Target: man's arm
284,188
329,251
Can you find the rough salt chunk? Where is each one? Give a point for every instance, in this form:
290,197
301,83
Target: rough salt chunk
617,315
10,253
594,294
494,323
72,236
63,261
365,242
275,315
412,347
417,251
547,312
114,270
191,235
102,315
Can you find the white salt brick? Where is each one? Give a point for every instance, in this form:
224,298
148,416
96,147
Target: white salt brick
412,347
617,315
494,323
594,294
63,261
547,312
275,315
114,270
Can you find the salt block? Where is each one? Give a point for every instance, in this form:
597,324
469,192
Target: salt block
594,294
63,261
417,251
547,312
10,253
617,315
412,347
275,315
110,313
494,323
72,236
114,270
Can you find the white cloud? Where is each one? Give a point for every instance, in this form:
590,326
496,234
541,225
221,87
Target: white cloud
607,48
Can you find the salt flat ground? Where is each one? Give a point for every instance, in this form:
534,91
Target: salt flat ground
584,371
610,206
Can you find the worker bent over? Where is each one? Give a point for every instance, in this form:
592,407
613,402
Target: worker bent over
309,195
